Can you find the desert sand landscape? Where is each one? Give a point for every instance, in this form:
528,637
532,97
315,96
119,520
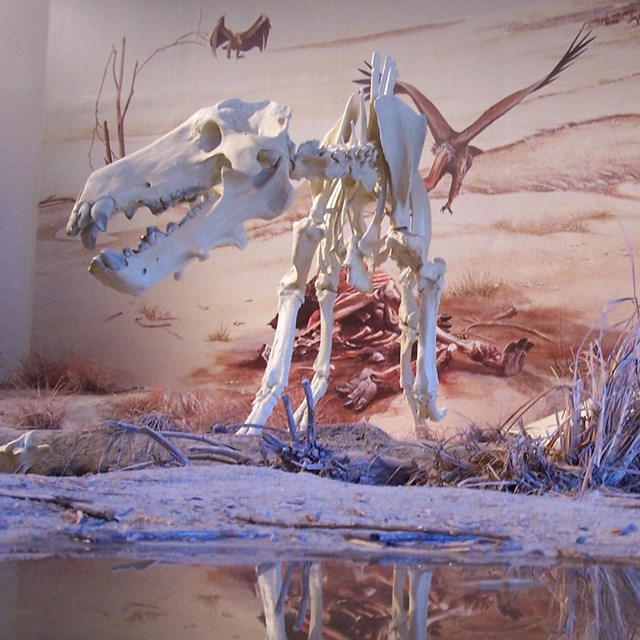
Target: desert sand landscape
545,228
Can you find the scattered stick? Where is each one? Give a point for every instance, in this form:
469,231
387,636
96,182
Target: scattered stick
169,446
311,410
177,453
52,201
508,325
305,453
219,454
215,451
380,533
286,401
68,502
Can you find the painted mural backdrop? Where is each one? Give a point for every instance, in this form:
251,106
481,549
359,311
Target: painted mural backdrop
533,175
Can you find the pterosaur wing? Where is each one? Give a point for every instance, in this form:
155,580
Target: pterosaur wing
438,126
219,36
257,35
577,48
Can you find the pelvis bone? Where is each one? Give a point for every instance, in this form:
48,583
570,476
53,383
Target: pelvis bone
230,163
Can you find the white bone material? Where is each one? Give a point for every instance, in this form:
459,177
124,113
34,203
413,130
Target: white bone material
233,162
19,455
230,163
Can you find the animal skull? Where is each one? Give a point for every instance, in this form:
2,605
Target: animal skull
230,163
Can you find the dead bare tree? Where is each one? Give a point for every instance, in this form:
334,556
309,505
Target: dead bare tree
124,94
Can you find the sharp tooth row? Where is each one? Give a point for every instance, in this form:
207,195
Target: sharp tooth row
157,206
118,260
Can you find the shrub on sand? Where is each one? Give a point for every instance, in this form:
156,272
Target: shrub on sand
46,411
67,374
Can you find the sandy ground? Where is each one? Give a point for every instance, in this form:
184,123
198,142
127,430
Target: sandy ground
189,516
226,512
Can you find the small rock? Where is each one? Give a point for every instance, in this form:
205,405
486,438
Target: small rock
630,528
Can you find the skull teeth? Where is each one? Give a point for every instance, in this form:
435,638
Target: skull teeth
151,235
115,260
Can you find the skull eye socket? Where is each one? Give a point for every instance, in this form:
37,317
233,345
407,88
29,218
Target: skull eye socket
210,136
268,158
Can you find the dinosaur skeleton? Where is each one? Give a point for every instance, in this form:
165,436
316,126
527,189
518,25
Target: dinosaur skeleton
233,162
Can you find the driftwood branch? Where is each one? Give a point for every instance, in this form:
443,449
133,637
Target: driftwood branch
213,450
67,502
177,453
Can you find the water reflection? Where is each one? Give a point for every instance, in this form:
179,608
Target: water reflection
98,599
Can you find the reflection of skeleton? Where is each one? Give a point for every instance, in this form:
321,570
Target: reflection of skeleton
367,329
232,163
408,620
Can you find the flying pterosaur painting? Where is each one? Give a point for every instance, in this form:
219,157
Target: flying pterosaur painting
452,149
256,36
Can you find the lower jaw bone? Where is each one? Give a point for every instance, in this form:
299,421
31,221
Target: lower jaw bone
216,222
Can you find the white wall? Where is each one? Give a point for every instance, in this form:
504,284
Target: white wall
23,46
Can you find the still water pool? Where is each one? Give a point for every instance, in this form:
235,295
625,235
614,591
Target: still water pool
95,599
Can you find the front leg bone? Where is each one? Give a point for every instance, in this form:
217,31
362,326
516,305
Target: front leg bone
327,292
306,237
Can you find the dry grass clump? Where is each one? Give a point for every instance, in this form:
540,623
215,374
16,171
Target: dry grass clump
598,214
46,411
573,224
66,374
596,443
195,411
602,433
563,360
221,334
153,313
476,285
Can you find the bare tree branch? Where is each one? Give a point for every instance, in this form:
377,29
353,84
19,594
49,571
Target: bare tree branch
98,127
116,63
118,82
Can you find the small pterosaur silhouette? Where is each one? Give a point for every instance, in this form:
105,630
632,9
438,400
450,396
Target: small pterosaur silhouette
452,149
256,36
